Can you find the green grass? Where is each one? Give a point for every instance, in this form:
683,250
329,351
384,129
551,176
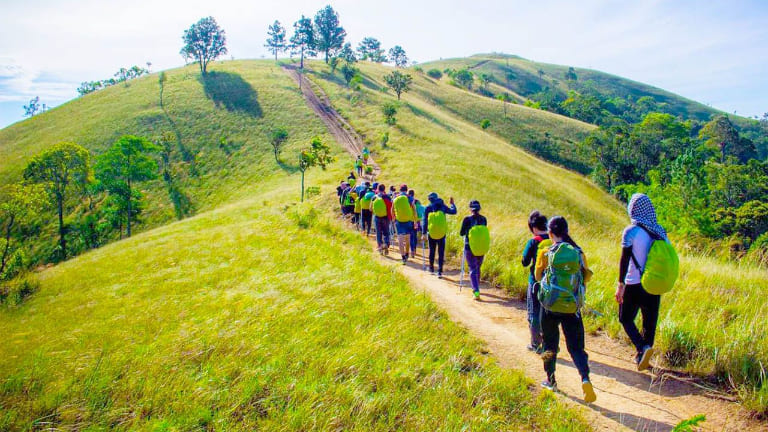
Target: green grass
707,324
242,101
259,315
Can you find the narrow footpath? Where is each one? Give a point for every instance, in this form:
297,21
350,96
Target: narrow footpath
626,399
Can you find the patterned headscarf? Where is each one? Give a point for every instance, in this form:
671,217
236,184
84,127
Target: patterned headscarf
643,214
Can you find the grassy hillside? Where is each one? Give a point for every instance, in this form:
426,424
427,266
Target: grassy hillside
259,315
526,81
706,324
220,127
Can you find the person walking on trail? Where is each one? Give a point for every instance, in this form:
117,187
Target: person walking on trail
347,201
474,257
402,207
562,270
366,154
382,207
366,213
537,224
418,213
359,166
434,226
636,241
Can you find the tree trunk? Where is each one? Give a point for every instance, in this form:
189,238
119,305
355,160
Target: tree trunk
301,63
62,240
302,186
7,245
130,198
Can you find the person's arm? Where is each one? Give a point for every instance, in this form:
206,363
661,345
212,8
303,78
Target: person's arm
450,210
529,253
626,254
542,261
465,226
586,273
425,221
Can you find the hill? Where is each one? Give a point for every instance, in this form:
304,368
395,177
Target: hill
432,149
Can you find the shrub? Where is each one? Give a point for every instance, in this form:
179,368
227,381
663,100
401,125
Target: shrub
485,123
434,73
13,293
384,139
418,69
389,110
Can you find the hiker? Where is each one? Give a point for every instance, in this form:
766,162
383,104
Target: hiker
359,166
402,206
630,294
474,256
562,271
347,201
382,207
366,154
418,213
435,227
537,224
366,214
357,208
351,177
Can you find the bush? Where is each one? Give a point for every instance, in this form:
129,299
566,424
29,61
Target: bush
389,110
13,293
485,123
384,139
434,73
418,69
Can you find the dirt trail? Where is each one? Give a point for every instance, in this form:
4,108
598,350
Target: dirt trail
626,399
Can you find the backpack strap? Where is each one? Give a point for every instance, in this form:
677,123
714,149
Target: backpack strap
538,239
654,237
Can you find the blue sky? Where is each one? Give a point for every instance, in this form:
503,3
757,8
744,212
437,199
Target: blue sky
715,52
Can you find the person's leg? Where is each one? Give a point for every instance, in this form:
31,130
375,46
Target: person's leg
551,342
414,241
432,247
440,255
379,232
573,330
474,263
386,228
627,314
649,308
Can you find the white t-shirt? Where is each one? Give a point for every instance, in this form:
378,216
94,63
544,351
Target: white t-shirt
640,241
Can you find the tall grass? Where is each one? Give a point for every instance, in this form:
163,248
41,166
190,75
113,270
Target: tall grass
707,325
260,315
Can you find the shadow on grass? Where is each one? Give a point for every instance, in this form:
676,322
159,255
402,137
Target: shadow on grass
231,91
424,114
290,169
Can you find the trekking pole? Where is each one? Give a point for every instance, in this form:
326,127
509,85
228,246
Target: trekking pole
461,279
423,254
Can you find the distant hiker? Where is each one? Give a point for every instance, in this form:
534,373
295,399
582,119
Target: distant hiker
562,270
634,291
434,226
351,177
366,214
357,209
537,224
402,206
340,188
381,207
359,166
418,213
366,154
474,228
347,201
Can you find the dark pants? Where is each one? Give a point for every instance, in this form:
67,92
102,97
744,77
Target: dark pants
573,330
414,240
534,312
367,216
440,246
636,299
382,231
473,263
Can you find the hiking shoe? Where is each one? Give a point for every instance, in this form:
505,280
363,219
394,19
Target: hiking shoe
533,348
550,385
477,295
431,270
645,358
404,258
439,274
589,391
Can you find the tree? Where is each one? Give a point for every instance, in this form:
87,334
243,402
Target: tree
399,82
330,35
318,154
721,134
504,98
389,110
348,54
278,137
19,205
125,163
33,107
398,57
571,74
203,42
303,41
276,42
348,72
370,49
464,78
56,169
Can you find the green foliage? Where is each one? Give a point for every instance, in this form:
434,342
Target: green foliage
389,110
485,123
348,72
384,139
398,57
61,170
329,34
317,154
690,425
399,82
347,53
435,73
370,49
19,208
276,42
721,135
304,39
14,292
204,42
277,138
571,74
464,78
126,163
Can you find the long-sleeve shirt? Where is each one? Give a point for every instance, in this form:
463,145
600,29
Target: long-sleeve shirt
468,223
530,252
438,205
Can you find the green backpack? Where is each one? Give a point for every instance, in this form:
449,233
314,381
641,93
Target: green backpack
479,240
379,207
437,225
402,207
562,286
662,267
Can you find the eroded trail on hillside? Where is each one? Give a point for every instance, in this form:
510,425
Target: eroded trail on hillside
627,399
